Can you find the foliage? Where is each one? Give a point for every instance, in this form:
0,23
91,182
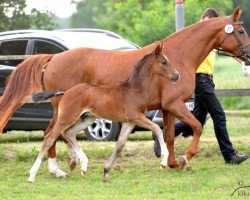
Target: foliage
245,4
86,9
14,16
144,22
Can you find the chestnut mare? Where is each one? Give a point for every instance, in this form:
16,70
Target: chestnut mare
125,102
186,50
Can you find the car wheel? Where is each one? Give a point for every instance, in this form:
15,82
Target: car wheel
103,130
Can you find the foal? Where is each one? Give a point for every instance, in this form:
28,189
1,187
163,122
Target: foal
125,102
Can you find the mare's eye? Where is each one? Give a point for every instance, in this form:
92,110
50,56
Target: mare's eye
241,31
164,62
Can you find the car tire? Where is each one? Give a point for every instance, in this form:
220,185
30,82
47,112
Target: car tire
103,130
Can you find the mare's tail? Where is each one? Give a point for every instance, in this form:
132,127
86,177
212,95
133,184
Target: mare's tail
43,96
21,84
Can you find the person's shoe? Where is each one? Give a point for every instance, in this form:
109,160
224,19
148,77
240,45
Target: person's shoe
237,159
157,147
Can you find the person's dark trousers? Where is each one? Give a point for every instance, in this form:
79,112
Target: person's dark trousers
205,96
206,101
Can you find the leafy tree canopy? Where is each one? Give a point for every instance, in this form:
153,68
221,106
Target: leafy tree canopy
13,16
147,21
141,21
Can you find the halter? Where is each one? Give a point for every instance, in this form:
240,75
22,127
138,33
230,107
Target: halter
242,48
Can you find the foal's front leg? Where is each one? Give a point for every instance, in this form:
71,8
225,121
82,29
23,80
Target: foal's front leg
146,123
125,131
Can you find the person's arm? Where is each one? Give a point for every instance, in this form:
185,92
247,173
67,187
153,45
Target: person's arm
245,68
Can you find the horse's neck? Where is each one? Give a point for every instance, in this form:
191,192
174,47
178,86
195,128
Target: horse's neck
194,43
141,77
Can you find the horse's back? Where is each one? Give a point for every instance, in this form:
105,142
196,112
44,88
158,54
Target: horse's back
86,65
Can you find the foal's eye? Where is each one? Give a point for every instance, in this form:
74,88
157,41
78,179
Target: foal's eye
164,62
241,31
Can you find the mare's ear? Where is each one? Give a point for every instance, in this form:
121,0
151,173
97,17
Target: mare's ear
158,49
237,13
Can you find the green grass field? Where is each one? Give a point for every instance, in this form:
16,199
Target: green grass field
228,75
136,173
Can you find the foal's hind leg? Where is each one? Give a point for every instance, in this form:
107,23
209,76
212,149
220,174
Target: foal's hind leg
47,143
70,135
125,131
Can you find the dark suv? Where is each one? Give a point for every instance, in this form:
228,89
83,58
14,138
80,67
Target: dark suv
30,42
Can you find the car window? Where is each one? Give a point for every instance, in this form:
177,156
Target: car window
14,47
46,47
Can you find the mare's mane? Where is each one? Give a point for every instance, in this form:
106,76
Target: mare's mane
190,28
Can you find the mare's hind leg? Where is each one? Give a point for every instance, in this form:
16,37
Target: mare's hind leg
52,163
143,121
125,131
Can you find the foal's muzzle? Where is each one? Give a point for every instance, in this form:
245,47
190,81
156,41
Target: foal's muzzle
175,77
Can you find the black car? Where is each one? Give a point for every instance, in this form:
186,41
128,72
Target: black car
31,42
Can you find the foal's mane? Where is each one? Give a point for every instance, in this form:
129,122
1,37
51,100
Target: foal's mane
138,67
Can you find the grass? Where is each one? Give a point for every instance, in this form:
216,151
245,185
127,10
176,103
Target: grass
228,75
136,173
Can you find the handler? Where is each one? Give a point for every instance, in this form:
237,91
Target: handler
206,102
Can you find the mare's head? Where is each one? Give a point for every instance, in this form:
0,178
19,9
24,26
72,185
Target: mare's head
235,40
161,65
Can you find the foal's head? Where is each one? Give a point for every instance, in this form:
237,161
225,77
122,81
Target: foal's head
162,67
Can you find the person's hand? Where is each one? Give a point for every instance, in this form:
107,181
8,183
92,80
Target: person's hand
245,69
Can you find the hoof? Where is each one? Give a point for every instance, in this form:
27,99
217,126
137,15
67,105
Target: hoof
83,172
183,162
59,173
162,167
72,165
31,179
173,164
106,177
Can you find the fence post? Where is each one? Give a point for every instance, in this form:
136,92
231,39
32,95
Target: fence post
179,15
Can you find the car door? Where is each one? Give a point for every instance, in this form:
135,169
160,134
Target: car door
29,116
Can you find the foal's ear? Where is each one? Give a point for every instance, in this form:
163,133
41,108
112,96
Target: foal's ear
158,49
237,13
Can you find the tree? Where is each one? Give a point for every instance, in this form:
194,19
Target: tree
13,17
86,10
245,4
144,22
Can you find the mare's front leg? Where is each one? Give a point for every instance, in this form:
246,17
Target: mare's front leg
168,122
125,131
179,109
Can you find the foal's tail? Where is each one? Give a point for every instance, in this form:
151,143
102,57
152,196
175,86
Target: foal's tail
43,96
21,84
